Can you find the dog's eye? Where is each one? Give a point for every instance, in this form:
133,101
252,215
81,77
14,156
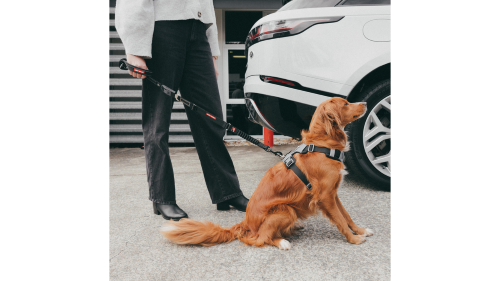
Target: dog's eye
346,104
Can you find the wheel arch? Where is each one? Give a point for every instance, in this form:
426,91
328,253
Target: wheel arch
380,73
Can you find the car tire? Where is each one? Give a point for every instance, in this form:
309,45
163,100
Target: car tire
370,137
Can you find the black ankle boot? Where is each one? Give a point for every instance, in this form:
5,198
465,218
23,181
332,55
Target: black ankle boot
240,203
169,212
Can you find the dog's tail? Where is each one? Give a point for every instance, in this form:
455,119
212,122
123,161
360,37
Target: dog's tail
193,232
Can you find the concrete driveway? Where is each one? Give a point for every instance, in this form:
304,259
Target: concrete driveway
319,251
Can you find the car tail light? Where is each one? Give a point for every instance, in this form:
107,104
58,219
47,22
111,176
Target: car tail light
283,28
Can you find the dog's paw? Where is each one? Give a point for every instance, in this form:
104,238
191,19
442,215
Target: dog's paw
285,245
298,226
357,239
368,232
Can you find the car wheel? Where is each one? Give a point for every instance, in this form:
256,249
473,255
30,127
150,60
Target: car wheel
370,136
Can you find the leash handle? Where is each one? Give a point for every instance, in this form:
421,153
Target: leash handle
124,65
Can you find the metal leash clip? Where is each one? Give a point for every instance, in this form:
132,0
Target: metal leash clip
278,153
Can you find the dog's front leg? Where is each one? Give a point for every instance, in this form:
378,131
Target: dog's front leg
358,230
298,226
331,210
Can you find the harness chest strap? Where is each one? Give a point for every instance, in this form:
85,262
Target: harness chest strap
289,160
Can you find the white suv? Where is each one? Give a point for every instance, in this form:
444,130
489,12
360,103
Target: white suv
311,50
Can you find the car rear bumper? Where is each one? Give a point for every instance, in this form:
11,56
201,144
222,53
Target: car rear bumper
253,84
280,115
281,109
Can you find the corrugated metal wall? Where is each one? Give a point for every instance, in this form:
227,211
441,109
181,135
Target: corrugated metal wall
125,91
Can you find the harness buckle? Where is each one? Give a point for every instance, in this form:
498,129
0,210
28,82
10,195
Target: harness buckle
341,157
289,161
310,148
309,186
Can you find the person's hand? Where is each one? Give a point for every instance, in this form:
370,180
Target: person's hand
216,70
136,61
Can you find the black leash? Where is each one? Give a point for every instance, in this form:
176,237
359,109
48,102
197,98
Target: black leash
169,92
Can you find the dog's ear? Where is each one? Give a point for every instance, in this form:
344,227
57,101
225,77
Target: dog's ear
333,125
331,121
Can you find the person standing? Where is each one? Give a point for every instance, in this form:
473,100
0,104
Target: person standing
177,41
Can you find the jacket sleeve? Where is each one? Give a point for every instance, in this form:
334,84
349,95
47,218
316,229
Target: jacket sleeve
135,20
213,39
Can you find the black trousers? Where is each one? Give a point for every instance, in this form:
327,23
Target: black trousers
182,59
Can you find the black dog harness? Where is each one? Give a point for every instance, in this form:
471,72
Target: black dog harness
289,160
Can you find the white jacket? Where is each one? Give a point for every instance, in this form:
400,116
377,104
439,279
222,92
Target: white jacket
135,19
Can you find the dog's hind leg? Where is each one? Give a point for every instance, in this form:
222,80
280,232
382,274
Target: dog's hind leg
276,226
330,210
358,230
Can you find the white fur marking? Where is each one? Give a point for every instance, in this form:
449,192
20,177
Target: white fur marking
368,232
168,227
285,245
342,173
347,146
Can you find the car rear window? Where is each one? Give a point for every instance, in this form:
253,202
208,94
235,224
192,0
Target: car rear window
304,4
365,2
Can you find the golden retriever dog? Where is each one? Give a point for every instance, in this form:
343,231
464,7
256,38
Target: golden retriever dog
281,199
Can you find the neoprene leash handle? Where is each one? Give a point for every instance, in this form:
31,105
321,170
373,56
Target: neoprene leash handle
124,65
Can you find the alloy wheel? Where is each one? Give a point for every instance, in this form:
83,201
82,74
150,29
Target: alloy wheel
377,136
